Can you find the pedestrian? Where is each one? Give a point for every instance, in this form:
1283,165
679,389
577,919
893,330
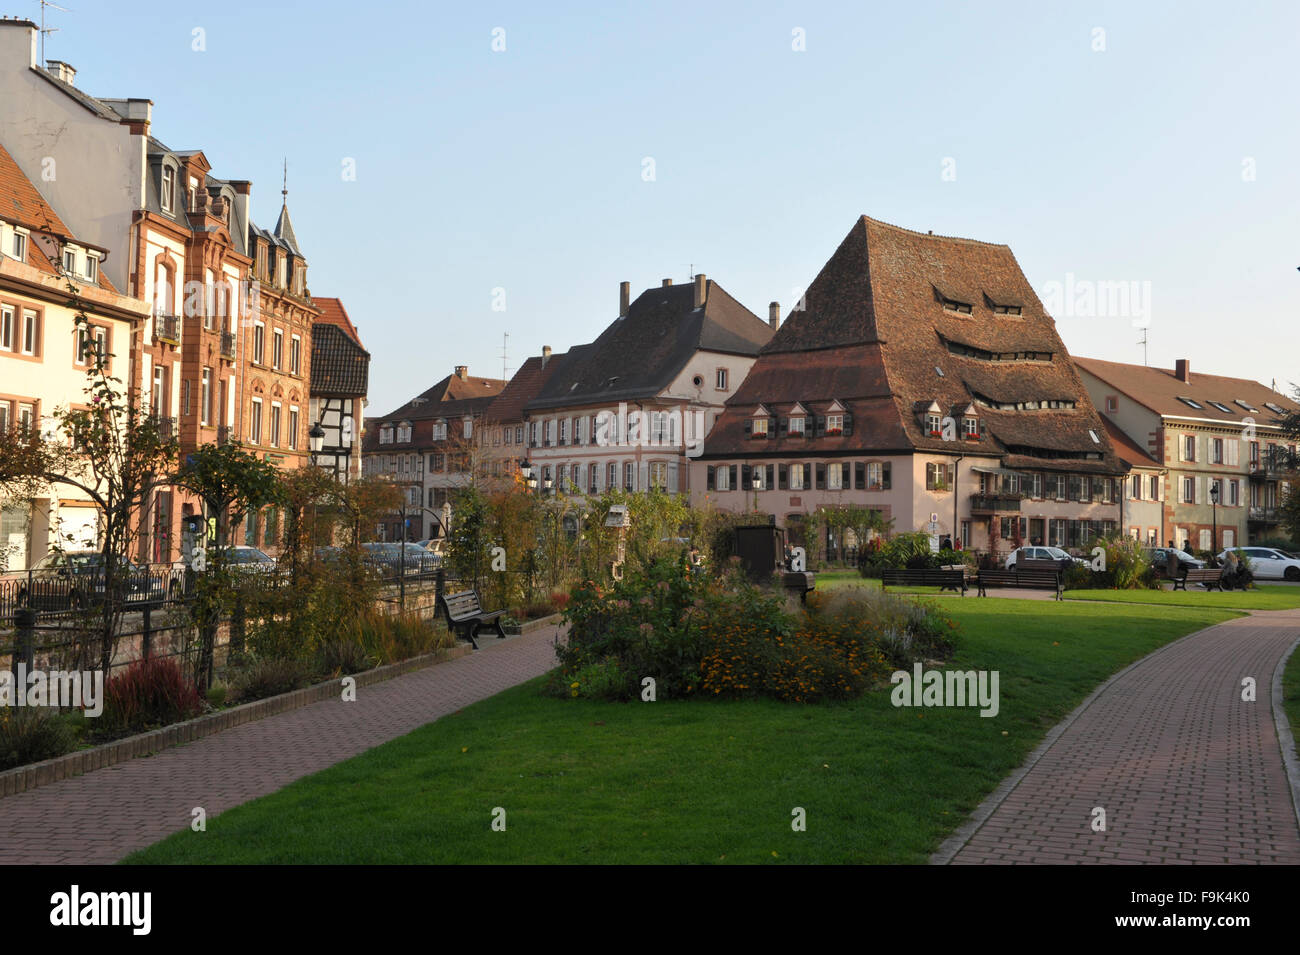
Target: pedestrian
946,543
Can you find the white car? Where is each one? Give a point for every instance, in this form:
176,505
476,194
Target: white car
1267,563
1054,554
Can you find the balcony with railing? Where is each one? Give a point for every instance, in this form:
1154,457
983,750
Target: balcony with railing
167,327
166,426
1270,466
228,345
1262,514
994,503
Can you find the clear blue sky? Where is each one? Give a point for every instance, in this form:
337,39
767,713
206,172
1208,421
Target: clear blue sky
522,169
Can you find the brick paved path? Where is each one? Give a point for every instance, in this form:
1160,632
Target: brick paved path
104,815
1186,771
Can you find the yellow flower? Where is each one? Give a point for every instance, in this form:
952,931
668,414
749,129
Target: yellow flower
573,685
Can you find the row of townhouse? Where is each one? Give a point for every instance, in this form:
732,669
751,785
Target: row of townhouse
920,376
224,338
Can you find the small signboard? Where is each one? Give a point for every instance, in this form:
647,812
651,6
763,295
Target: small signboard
934,543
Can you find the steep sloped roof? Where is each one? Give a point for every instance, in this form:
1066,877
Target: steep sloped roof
925,319
640,353
22,202
284,230
523,387
339,365
333,313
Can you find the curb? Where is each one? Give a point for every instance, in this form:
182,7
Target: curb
531,625
949,848
24,778
1285,738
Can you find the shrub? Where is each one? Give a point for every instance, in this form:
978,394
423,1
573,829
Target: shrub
726,638
1128,567
341,656
261,677
150,692
31,734
390,639
217,694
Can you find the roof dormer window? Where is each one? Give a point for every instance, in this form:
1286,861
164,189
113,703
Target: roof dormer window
18,245
92,268
1006,309
168,191
69,262
934,419
952,305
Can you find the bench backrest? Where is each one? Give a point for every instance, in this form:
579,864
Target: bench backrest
461,605
893,573
1050,565
1204,573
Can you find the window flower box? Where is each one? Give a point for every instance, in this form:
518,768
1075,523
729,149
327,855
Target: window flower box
833,431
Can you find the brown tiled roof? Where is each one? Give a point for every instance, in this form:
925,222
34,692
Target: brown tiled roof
333,312
1159,389
450,398
523,388
640,354
340,367
876,323
1126,449
21,202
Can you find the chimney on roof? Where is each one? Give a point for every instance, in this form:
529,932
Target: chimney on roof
701,285
63,71
667,282
624,298
462,372
546,351
1183,371
774,314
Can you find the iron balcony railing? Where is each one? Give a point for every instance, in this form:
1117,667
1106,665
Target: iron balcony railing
990,503
167,327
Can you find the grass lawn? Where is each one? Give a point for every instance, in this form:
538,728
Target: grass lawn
697,782
1291,693
1263,597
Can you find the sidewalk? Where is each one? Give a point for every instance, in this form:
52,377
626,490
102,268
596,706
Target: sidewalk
1185,770
104,815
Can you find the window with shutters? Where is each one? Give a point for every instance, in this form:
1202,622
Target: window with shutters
835,477
629,476
1153,491
611,475
835,424
796,425
1189,447
1234,493
759,428
796,477
1216,451
936,476
722,478
1189,490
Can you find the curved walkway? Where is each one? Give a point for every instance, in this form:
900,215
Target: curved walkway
101,816
1186,771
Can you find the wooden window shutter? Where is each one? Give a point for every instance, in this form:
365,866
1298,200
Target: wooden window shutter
745,479
732,474
748,427
848,423
768,484
859,475
771,428
783,476
821,477
819,425
708,478
884,475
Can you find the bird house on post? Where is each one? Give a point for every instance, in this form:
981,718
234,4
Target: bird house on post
620,520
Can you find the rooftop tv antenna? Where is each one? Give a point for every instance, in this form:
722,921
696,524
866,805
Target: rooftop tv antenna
44,28
505,342
1143,343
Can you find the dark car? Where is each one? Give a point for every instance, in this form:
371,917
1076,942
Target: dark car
1160,560
74,580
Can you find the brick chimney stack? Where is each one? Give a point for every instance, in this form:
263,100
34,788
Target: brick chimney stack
667,282
624,298
774,314
546,351
1183,371
701,286
462,372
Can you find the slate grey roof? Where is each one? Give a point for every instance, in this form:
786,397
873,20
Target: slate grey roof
339,366
639,355
284,230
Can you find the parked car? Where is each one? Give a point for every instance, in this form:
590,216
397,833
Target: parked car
1266,563
390,557
1053,554
432,544
248,560
73,580
1159,557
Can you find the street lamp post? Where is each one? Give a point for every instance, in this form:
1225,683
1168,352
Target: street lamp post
1214,515
315,440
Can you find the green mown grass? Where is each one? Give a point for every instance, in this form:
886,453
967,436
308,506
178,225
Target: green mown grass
1263,597
1291,694
697,781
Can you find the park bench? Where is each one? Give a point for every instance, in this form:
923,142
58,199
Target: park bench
1210,577
465,612
944,579
1026,579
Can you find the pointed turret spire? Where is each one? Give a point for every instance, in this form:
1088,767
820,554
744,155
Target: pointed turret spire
284,227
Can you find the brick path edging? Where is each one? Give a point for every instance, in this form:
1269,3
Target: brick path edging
949,848
1290,758
22,778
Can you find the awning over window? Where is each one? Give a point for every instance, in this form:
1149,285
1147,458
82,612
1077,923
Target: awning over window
994,469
